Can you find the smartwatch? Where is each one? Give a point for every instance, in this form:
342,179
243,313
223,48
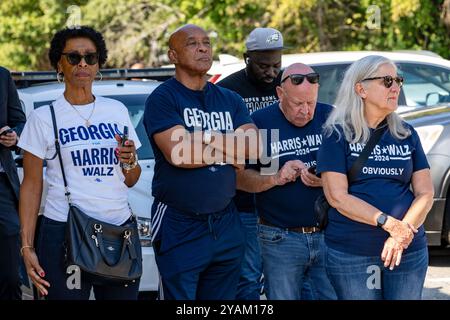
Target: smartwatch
381,220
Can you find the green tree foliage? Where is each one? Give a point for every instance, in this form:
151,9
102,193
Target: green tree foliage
138,30
321,25
230,21
26,28
419,25
317,25
135,30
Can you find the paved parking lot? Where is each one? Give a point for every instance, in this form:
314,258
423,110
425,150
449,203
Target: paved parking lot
437,282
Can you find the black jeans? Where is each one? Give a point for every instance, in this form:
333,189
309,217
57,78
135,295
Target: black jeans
67,283
9,243
9,268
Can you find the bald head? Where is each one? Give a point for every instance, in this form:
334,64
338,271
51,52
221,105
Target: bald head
190,51
182,33
298,101
296,68
138,65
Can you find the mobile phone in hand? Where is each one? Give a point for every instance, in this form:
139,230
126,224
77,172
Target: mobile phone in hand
312,169
6,132
124,139
125,135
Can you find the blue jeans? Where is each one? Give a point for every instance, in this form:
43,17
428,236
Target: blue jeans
291,258
365,278
249,286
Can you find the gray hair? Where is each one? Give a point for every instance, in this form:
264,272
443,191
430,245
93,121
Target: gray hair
349,111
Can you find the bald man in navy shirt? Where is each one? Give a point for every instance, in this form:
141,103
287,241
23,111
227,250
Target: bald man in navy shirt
292,247
197,233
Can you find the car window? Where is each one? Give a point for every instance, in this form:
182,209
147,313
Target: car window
425,85
330,78
136,105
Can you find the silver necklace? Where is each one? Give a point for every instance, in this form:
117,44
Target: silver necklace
86,120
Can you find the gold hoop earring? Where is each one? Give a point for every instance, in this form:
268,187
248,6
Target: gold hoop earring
101,76
60,77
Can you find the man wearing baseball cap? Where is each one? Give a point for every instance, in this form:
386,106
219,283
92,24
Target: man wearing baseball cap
256,84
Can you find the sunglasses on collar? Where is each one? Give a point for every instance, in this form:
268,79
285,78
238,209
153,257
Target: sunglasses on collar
388,81
297,78
74,58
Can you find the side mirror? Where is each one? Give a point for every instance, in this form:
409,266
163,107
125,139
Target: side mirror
432,98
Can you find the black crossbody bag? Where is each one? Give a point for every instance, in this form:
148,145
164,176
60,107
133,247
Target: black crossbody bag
321,205
108,252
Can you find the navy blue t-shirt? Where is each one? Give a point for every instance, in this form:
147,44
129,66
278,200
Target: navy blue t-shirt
290,205
384,182
256,96
201,190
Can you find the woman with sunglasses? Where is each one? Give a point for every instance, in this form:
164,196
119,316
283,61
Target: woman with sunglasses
98,167
377,248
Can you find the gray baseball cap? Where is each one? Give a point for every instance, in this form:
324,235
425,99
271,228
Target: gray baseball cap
263,39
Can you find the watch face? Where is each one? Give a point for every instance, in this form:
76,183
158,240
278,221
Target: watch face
381,219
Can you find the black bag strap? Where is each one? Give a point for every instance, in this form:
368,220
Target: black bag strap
58,152
373,140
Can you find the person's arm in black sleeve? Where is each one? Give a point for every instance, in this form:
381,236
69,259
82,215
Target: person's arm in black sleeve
15,115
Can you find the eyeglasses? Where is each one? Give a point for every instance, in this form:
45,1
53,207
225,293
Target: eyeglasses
297,78
74,58
388,81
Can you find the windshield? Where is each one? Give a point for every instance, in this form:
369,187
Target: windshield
136,105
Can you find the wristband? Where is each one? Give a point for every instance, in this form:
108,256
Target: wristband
24,247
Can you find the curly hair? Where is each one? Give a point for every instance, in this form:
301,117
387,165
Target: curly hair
60,38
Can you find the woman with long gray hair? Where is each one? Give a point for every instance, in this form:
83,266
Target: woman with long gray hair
377,247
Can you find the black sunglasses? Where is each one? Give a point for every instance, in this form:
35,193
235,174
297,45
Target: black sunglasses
297,78
388,81
74,58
